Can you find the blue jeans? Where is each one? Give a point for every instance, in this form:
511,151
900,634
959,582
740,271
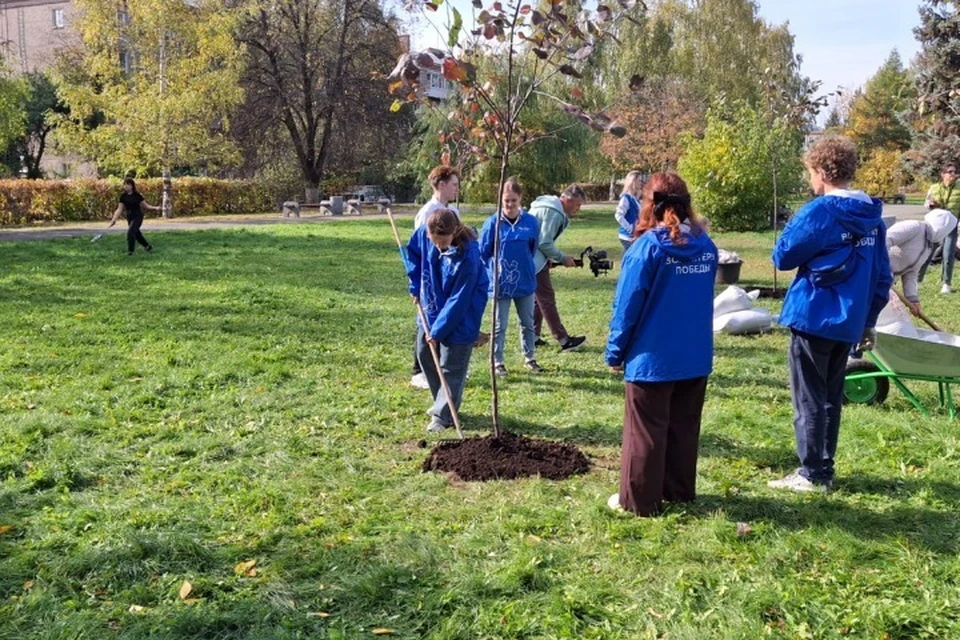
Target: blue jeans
949,257
524,307
454,359
817,369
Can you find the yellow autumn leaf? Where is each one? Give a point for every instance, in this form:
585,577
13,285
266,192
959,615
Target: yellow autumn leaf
395,106
79,315
246,568
5,528
136,608
28,585
381,631
185,590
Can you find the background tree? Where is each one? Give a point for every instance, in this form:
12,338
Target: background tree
728,169
160,76
41,108
315,70
656,117
13,98
877,118
937,69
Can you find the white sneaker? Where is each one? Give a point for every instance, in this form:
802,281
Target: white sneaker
614,502
796,482
419,381
946,288
436,426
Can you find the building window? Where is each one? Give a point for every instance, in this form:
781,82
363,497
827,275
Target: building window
59,21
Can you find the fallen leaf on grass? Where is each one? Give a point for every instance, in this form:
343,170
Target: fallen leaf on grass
381,631
136,608
5,528
743,529
79,315
246,568
318,614
185,590
28,585
193,600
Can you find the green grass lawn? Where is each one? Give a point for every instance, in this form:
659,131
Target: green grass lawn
241,395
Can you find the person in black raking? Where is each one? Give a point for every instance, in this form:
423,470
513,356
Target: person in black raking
130,205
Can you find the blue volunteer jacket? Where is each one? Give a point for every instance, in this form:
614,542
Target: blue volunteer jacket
518,245
628,210
662,324
452,287
819,235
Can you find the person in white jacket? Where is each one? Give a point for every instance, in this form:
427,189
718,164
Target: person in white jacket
910,244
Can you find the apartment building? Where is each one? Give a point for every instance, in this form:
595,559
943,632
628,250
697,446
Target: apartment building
31,32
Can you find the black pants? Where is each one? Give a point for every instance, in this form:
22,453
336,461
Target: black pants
817,369
661,436
134,235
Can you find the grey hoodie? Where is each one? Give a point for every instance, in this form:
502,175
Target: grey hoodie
910,244
548,210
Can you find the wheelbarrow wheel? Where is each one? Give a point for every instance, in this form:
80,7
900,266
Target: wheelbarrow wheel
864,390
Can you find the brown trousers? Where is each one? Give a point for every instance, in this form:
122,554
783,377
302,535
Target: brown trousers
661,433
545,307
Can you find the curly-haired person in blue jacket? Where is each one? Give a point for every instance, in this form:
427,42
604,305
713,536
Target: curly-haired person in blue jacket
661,340
837,244
449,278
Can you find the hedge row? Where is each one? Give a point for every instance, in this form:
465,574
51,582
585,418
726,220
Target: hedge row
30,201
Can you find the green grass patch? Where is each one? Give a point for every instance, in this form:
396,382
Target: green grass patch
242,395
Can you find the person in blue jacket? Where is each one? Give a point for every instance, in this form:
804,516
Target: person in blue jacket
628,208
661,339
837,244
448,277
519,238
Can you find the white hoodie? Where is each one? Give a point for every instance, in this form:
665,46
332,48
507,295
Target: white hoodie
910,244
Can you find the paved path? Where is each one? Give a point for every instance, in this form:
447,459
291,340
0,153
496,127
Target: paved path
90,229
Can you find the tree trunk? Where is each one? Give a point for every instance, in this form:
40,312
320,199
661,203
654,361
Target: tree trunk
166,201
612,194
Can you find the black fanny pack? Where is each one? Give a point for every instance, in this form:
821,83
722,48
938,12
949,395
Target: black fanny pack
832,268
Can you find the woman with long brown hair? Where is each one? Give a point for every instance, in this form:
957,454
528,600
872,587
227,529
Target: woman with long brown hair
661,340
448,276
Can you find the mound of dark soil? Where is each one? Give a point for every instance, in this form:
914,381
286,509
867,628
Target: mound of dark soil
507,457
769,292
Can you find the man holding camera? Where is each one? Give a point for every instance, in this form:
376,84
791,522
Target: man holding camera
553,214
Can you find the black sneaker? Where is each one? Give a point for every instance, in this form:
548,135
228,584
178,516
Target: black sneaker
573,343
540,343
533,366
500,370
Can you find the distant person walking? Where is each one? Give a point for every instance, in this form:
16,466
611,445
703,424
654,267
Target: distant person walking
946,195
445,182
131,207
628,209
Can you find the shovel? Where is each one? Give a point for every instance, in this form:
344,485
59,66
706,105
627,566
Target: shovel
921,315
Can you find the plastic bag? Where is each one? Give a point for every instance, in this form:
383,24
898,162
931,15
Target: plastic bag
733,299
743,322
896,319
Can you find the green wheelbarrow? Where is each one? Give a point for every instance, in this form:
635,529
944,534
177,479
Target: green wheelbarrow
932,356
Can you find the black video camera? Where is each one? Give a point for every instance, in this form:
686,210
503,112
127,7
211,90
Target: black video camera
598,261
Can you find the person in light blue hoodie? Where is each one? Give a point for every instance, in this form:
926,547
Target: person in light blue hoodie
448,277
519,237
628,208
837,244
661,340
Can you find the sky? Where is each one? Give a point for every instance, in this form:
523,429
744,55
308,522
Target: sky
843,42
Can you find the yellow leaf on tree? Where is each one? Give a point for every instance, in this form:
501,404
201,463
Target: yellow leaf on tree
185,590
381,631
246,568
